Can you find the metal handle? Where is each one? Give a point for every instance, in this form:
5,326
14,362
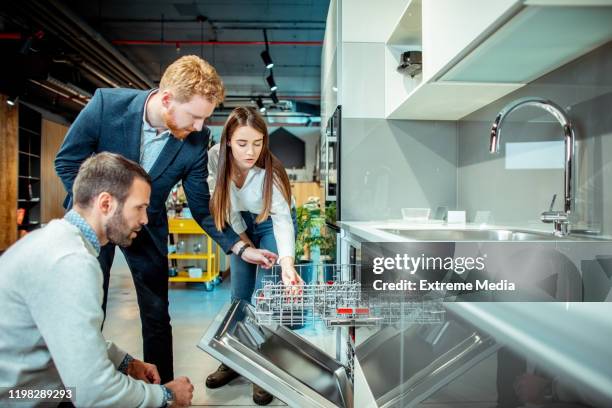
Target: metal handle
327,164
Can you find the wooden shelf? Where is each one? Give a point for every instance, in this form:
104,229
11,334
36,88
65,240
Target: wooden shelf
190,256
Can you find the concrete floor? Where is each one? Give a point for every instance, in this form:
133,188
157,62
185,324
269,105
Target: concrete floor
192,310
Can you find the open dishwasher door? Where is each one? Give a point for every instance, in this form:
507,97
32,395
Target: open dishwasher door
417,360
280,361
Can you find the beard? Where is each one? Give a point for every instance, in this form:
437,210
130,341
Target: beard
117,230
170,122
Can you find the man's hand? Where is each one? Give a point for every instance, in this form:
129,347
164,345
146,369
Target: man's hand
261,257
143,371
182,390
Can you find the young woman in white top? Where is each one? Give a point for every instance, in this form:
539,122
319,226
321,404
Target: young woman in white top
251,191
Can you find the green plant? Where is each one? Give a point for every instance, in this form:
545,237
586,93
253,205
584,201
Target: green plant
330,213
312,232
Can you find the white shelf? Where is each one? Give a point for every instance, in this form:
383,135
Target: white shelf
408,27
449,101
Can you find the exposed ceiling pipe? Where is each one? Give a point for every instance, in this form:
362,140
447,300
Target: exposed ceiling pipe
57,92
259,28
195,20
99,40
69,28
10,36
61,28
177,43
183,25
98,74
97,82
99,78
72,89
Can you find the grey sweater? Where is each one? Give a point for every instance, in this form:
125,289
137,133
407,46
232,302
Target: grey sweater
50,305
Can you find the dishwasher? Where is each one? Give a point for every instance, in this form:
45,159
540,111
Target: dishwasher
256,339
418,359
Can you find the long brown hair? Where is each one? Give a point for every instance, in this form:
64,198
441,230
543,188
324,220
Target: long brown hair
275,173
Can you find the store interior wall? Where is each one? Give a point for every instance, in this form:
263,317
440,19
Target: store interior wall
584,89
309,135
390,164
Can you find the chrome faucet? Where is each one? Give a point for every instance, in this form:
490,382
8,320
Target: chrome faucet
560,219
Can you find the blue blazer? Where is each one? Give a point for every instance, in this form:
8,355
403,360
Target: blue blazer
112,122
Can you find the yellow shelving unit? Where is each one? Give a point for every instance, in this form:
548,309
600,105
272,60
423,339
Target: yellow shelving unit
209,258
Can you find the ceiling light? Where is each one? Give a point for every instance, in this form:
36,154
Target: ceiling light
12,100
265,56
260,105
271,83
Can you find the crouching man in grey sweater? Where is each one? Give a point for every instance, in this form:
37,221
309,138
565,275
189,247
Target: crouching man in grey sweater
51,297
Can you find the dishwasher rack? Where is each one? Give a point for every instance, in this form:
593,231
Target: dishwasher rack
339,302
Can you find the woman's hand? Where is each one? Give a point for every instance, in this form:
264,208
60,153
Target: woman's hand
291,279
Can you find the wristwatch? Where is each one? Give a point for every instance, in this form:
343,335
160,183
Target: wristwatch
168,397
244,247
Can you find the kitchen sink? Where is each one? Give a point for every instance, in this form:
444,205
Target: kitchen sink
477,235
277,359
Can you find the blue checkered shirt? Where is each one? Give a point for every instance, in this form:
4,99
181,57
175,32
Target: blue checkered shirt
75,219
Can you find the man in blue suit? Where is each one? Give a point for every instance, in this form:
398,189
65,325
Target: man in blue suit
162,130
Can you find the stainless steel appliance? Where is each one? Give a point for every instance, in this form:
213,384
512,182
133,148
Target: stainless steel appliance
433,356
330,166
277,359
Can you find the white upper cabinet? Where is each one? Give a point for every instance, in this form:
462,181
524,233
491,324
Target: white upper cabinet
369,21
329,64
476,51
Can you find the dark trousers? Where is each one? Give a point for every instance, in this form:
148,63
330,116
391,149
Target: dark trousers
510,366
149,269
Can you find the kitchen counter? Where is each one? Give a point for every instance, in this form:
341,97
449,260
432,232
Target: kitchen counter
374,231
538,329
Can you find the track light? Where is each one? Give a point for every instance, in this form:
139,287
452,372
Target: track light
260,105
12,100
271,83
265,56
274,98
